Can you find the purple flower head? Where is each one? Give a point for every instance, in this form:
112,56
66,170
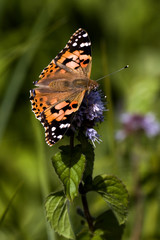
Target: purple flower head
93,107
133,123
90,114
92,134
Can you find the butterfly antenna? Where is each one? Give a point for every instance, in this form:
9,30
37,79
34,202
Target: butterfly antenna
127,66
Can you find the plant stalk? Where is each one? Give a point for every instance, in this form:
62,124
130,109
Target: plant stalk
86,208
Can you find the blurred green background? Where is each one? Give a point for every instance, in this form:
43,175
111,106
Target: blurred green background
31,34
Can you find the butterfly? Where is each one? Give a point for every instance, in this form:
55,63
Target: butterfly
60,90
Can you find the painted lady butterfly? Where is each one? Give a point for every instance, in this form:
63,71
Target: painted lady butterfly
62,86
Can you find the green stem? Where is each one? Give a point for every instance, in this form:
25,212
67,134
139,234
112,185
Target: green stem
86,208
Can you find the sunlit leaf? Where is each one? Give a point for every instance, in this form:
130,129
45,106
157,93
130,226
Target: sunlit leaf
57,214
114,193
69,165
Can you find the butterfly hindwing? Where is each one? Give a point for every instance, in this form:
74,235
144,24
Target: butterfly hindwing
56,120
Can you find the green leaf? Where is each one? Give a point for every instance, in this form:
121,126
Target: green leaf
57,214
114,193
69,165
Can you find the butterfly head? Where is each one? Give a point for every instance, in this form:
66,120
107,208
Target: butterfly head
92,85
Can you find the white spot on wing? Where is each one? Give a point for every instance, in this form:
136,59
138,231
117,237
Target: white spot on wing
85,35
74,44
53,129
64,125
60,136
85,44
82,44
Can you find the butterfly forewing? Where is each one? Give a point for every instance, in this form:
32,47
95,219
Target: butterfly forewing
77,53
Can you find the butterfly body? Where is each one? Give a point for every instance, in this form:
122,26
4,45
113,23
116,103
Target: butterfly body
62,86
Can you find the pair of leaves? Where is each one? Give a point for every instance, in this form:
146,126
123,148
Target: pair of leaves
72,167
